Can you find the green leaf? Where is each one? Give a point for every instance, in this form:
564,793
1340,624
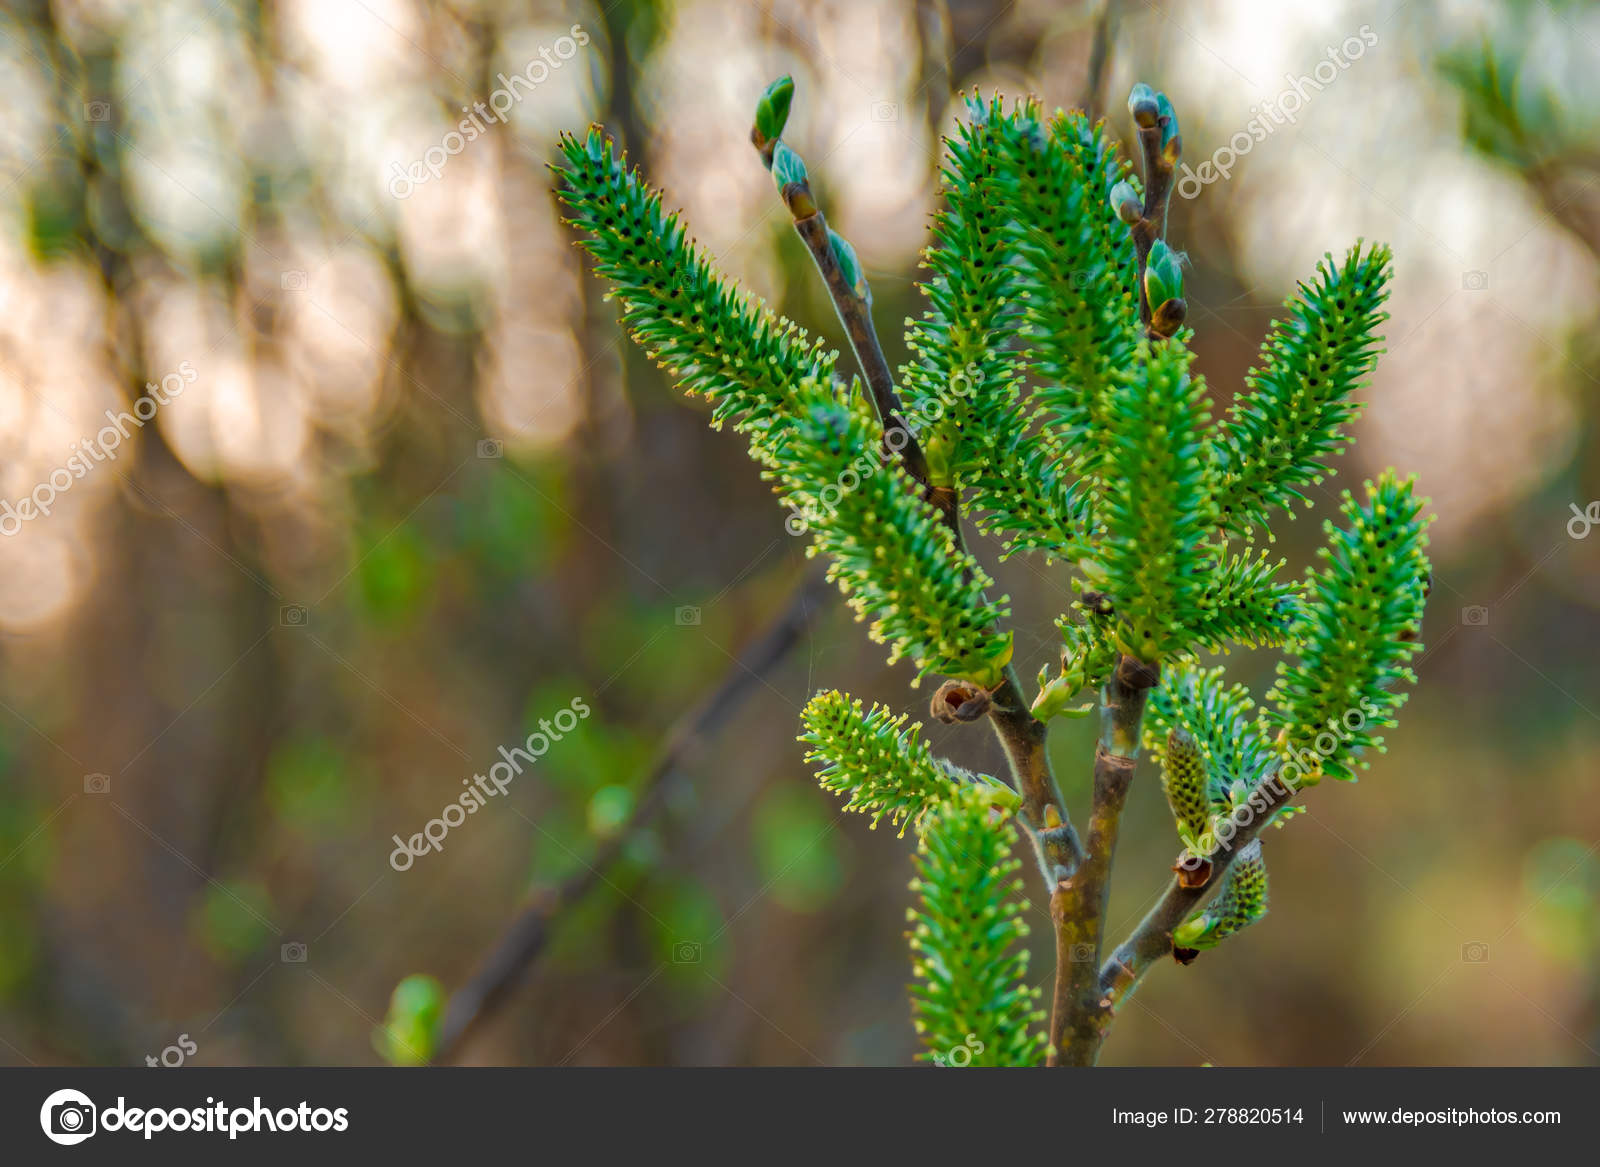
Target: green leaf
1088,654
1163,276
971,992
1356,631
849,265
788,168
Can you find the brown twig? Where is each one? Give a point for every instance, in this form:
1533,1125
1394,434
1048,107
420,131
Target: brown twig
855,314
1152,939
525,939
1159,166
1078,904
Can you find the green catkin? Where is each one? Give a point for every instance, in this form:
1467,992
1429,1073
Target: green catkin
1183,779
971,988
1155,523
1241,902
1356,630
891,555
1298,401
882,767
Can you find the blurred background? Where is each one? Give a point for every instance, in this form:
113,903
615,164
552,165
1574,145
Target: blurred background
393,488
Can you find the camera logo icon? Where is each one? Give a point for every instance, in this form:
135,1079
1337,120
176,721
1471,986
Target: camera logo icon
1082,952
1475,952
686,952
68,1117
1474,281
1475,616
885,111
293,281
292,616
687,616
293,953
97,111
97,783
491,448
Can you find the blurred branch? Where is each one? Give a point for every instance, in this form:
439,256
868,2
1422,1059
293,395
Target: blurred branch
526,938
1094,90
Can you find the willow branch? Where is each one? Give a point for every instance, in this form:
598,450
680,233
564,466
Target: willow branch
1044,814
525,939
1094,89
1152,939
1022,735
1159,166
1078,1018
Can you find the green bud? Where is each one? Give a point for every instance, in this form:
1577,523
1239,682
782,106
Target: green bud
1144,107
1163,277
850,265
410,1031
1126,202
788,169
1169,129
1054,695
772,110
609,808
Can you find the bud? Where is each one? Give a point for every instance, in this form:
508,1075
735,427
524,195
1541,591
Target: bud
1163,278
1168,119
1126,202
772,111
1168,316
789,174
1054,695
788,169
410,1031
850,265
1144,107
